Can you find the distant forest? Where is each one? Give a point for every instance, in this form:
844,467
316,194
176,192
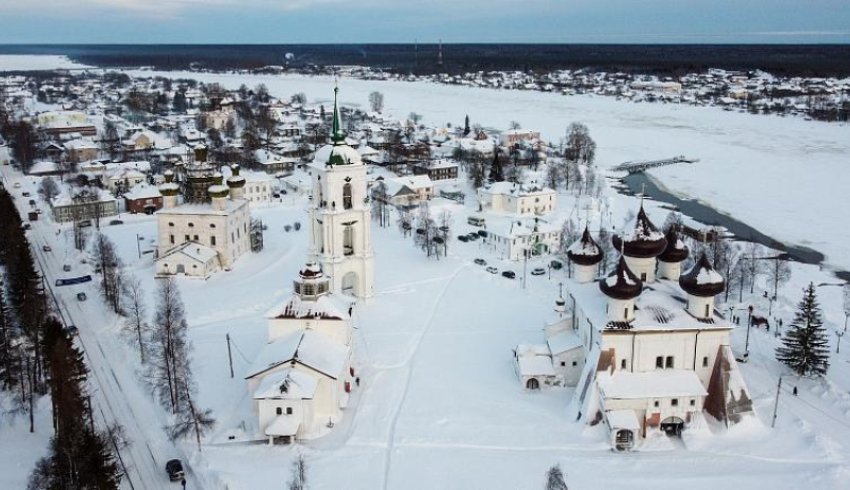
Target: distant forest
673,59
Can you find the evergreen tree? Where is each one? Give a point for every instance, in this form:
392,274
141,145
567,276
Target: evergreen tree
466,129
555,479
805,345
496,174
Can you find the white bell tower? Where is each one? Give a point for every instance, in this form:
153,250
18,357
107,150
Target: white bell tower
340,214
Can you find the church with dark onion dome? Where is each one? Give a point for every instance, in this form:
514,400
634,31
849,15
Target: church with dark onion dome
656,355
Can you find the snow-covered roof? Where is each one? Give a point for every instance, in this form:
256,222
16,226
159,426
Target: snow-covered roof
563,342
142,191
193,250
326,306
43,168
348,154
534,360
622,419
518,190
231,205
288,384
283,425
661,383
308,347
659,307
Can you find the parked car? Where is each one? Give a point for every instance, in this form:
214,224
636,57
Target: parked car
480,262
538,271
174,468
81,296
555,264
116,222
17,185
27,226
482,233
26,194
492,270
463,238
509,274
66,268
473,236
46,248
83,223
71,329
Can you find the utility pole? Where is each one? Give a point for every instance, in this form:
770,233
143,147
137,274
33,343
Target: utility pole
138,247
749,323
838,345
776,403
229,356
524,265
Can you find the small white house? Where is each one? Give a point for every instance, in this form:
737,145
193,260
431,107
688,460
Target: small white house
523,200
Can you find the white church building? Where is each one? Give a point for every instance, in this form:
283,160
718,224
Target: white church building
301,380
340,214
197,239
657,355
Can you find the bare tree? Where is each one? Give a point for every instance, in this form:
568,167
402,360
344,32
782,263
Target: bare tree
376,101
134,305
112,276
445,229
299,474
426,230
580,147
190,420
778,273
48,188
554,175
380,208
515,125
168,366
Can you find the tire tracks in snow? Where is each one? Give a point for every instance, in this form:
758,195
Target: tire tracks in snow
409,362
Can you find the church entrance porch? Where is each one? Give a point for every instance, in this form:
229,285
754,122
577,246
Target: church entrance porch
624,440
673,426
532,384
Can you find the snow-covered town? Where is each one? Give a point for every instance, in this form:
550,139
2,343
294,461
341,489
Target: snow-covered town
378,281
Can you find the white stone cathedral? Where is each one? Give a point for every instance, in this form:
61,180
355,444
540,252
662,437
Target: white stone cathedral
340,234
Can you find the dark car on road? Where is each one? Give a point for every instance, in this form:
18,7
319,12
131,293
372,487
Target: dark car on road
480,262
509,274
174,468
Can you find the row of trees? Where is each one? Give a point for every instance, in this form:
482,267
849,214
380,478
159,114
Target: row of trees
38,357
80,456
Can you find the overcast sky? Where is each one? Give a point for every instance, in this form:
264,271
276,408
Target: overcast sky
403,21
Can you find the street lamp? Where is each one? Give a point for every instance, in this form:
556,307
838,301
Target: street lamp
838,344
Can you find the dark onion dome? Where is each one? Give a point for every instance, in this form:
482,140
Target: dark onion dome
311,271
585,251
235,180
702,280
622,283
676,251
644,242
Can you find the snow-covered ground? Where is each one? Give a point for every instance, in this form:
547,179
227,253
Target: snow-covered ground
440,406
766,171
25,62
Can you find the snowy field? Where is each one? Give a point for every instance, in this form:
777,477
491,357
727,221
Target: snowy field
24,62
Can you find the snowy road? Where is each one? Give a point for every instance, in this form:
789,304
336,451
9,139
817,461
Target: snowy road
117,397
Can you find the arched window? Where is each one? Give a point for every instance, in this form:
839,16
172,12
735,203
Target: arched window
346,196
348,240
532,384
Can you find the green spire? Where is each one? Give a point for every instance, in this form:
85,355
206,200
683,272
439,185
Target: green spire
337,136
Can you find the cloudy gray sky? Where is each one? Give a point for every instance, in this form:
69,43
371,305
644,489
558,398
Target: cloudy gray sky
362,21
